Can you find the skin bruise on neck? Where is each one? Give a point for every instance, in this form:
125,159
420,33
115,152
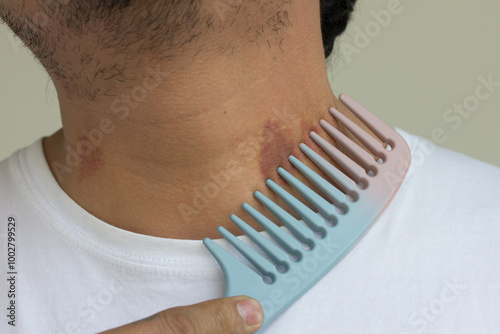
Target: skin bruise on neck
91,161
280,142
275,148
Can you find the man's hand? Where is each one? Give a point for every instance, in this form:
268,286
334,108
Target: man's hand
235,315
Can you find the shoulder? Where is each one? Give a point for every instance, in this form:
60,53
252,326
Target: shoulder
448,204
441,176
15,175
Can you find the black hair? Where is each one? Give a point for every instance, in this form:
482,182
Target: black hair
335,15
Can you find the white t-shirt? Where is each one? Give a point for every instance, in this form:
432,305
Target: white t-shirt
430,264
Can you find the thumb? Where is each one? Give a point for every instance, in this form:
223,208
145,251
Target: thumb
235,315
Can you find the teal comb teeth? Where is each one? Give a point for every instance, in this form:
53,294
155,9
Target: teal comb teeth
331,230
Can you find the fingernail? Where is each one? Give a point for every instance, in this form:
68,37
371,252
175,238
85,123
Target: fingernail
251,311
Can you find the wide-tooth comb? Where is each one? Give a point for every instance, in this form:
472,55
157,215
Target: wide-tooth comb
312,249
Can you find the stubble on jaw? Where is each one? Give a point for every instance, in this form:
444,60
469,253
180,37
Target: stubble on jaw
94,46
91,46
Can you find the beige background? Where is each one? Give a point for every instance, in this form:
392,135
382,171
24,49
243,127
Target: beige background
410,67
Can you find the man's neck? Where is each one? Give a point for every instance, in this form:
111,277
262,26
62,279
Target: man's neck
180,149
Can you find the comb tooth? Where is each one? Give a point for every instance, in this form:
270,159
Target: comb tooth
371,143
344,182
273,251
324,207
363,157
231,266
297,228
352,168
315,222
326,187
293,246
263,265
379,127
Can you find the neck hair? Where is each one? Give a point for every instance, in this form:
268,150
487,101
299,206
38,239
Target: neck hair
93,48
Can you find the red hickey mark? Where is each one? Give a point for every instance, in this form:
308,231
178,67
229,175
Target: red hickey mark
278,144
92,160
